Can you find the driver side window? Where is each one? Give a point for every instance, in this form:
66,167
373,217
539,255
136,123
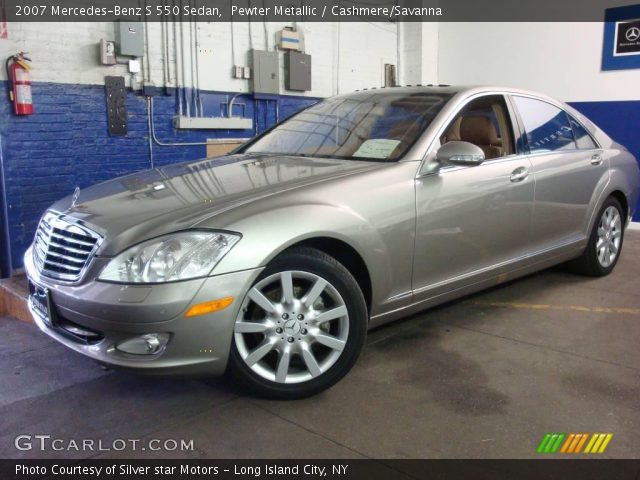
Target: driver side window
485,123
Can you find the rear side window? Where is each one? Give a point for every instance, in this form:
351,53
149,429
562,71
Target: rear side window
583,139
547,127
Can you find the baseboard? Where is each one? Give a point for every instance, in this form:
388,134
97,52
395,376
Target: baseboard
634,226
13,298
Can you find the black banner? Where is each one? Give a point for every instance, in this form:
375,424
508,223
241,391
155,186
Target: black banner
550,469
308,10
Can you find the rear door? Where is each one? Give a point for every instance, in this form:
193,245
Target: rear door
569,171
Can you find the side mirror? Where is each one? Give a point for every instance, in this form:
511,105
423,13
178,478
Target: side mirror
460,153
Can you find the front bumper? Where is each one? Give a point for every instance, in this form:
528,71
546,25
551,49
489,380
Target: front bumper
197,346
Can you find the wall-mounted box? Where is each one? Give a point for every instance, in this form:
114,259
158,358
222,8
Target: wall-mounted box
130,38
289,39
297,68
116,94
390,77
134,66
266,72
107,52
212,123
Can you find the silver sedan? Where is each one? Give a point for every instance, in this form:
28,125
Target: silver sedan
272,262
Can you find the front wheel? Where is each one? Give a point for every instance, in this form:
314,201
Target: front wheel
300,327
605,242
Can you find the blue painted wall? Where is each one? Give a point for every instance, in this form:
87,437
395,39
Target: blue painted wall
66,143
621,121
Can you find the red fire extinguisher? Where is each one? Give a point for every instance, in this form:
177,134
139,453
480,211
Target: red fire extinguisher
20,84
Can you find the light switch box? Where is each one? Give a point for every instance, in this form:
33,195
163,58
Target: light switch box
107,52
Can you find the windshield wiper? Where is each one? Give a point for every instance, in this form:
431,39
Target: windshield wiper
322,156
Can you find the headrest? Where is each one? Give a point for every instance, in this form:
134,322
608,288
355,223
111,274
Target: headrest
405,130
453,132
478,130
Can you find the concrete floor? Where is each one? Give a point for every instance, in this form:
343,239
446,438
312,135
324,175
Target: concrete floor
486,376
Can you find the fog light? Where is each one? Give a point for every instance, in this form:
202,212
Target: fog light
148,344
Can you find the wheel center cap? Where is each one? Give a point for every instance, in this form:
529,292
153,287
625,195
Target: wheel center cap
292,327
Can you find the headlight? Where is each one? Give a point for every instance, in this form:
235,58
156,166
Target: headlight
178,256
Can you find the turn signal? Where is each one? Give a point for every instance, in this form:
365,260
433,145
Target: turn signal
209,307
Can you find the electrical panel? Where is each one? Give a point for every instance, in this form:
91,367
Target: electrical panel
130,39
266,72
297,68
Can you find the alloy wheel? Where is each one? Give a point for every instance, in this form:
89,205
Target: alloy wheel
292,327
609,236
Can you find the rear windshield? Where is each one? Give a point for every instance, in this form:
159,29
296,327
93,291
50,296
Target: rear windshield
365,126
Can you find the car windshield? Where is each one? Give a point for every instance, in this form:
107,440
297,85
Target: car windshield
378,126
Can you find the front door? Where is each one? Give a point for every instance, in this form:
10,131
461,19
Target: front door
471,220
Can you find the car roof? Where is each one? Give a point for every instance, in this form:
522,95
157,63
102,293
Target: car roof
447,90
404,90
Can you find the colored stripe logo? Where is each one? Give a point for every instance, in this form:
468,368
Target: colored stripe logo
573,443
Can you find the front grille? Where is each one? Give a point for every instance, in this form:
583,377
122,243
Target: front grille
62,249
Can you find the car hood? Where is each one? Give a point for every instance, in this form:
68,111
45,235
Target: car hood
143,205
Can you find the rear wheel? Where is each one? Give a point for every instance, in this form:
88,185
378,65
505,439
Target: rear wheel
300,328
605,242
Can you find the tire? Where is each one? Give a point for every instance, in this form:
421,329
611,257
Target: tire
306,336
607,233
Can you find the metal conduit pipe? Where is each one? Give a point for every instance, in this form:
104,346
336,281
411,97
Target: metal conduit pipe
165,46
175,55
230,104
199,105
164,57
192,99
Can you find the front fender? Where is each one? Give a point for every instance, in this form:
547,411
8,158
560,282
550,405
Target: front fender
373,213
268,233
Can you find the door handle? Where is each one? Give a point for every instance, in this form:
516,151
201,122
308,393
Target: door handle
519,174
596,159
